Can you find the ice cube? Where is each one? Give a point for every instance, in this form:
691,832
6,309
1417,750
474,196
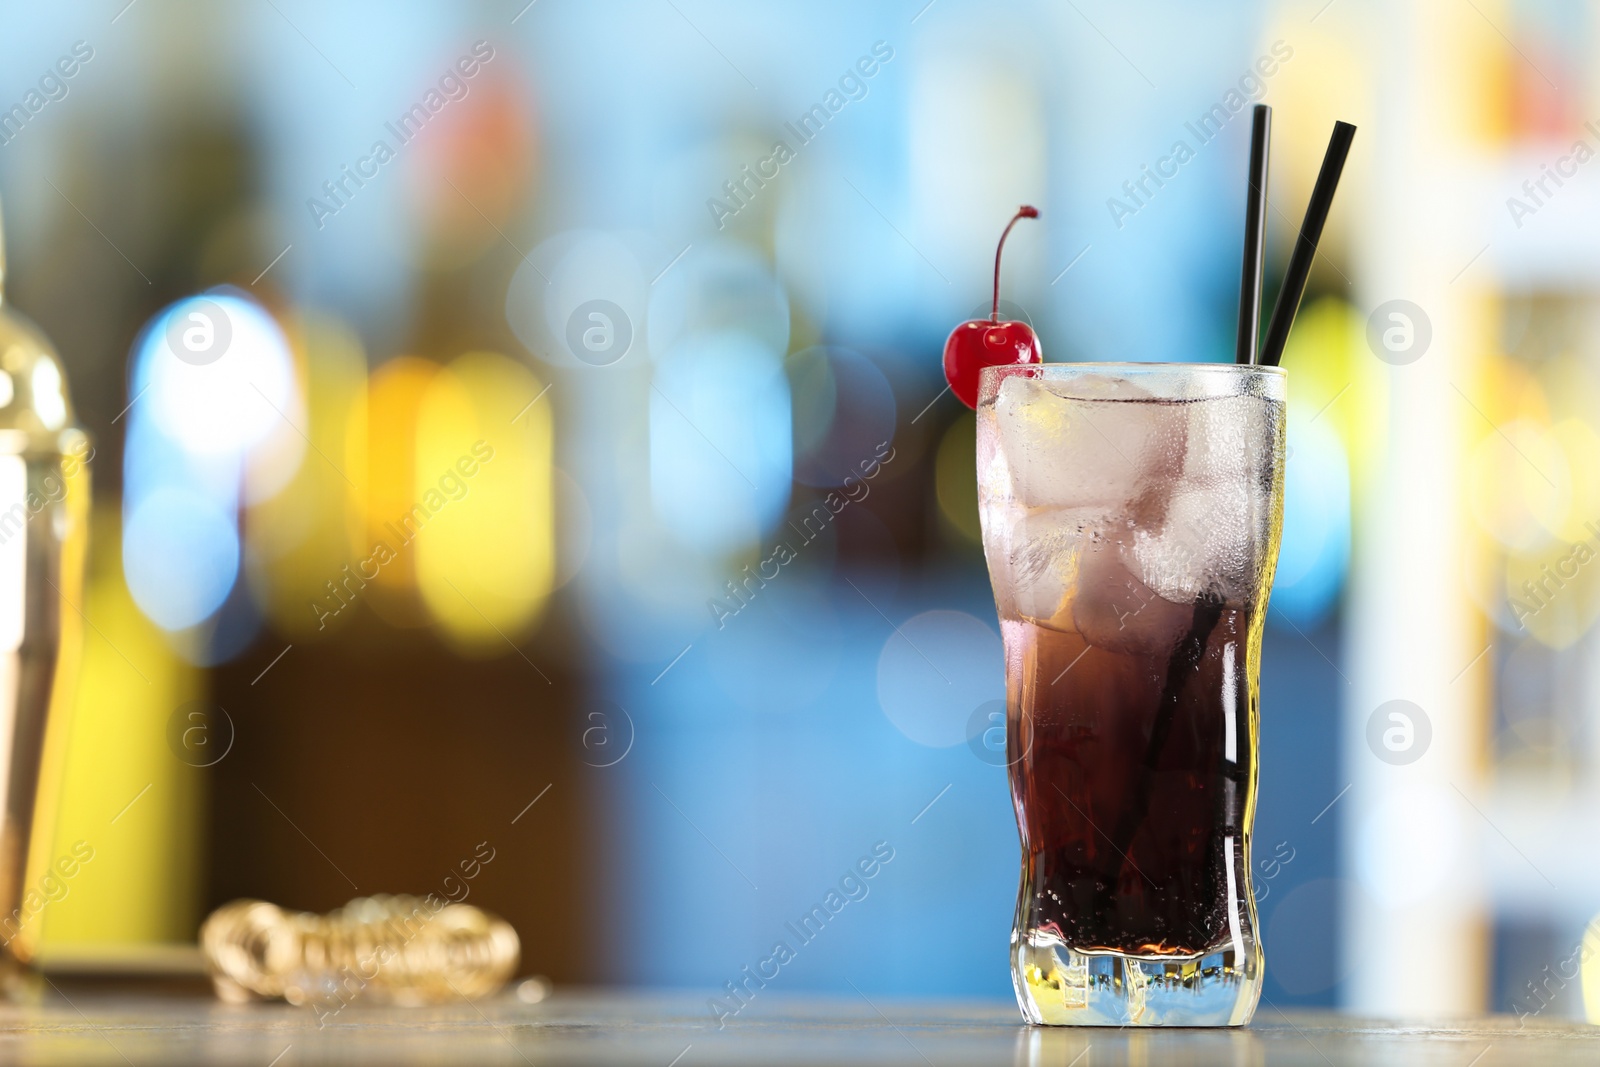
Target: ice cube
1213,539
1091,386
1230,439
1033,557
1081,443
1116,611
1073,569
1213,534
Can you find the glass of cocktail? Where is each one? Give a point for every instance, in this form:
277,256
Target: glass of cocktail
1131,516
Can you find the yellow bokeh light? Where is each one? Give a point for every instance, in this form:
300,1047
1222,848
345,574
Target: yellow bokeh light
394,396
955,477
1334,380
481,521
1579,446
311,529
1519,484
1554,594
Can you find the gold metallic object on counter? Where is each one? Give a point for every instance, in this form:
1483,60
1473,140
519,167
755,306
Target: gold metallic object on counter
44,510
381,950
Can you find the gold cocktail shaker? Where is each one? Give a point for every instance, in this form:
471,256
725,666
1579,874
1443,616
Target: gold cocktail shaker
44,513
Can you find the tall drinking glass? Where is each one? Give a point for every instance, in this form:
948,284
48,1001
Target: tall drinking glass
1131,515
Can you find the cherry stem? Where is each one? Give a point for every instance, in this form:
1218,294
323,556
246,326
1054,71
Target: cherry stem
1024,212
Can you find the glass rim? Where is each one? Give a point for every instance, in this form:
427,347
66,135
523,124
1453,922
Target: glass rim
1151,381
1195,367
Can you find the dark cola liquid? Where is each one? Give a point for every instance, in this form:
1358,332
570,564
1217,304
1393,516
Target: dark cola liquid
1131,775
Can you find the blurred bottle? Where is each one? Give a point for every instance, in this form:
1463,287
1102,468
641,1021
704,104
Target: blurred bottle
44,498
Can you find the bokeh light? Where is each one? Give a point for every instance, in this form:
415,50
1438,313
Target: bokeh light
721,453
721,286
393,399
482,520
955,482
180,556
844,410
935,669
232,391
314,524
1316,524
204,412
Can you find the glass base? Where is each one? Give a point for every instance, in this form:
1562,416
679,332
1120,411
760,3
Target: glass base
1060,986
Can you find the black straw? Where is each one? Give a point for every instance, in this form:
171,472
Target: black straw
1305,247
1255,230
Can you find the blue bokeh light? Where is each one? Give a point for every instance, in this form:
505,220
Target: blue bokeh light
197,418
180,555
721,450
1316,526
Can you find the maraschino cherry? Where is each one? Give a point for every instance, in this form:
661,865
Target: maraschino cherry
989,342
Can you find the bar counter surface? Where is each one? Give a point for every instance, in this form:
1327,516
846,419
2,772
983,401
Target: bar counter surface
73,1024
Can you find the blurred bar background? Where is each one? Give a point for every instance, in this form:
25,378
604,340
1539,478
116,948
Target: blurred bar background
579,479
